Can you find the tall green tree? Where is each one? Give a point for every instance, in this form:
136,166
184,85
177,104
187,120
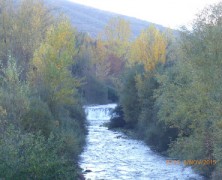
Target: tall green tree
189,96
14,93
52,61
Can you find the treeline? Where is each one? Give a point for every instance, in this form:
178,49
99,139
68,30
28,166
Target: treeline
171,91
168,89
42,124
102,60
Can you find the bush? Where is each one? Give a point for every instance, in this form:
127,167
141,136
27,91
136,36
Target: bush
129,99
29,156
94,91
14,93
117,119
38,118
112,94
72,128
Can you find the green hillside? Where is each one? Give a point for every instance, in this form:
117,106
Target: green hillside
92,21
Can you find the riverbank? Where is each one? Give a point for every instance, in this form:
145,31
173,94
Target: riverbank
132,134
153,140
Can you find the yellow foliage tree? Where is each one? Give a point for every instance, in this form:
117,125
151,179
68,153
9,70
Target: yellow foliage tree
23,26
52,60
148,49
117,34
102,66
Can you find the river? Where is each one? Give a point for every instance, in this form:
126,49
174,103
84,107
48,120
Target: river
111,155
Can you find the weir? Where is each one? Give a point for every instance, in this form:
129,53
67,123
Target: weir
100,112
111,155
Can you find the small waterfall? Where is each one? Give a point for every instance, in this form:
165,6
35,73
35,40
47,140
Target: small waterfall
101,112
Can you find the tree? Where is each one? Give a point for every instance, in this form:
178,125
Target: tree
14,92
117,37
149,49
117,34
22,28
6,23
100,62
41,116
189,96
129,99
51,64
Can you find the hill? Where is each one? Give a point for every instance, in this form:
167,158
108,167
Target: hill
92,21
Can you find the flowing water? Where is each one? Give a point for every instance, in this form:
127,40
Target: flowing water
111,155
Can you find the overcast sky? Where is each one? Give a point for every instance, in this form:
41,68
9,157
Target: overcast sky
170,13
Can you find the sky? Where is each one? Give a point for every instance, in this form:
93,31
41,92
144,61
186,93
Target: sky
169,13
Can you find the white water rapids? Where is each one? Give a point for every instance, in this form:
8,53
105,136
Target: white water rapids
112,155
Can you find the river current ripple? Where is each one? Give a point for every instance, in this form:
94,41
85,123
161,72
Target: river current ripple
111,155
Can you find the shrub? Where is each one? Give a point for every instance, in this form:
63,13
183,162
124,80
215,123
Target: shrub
32,156
117,119
129,99
14,92
38,118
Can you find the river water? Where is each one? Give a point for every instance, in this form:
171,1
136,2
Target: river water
111,155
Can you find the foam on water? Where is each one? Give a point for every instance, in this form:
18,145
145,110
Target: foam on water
100,112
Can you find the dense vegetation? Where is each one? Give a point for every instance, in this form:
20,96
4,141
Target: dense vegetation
171,90
42,124
168,89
